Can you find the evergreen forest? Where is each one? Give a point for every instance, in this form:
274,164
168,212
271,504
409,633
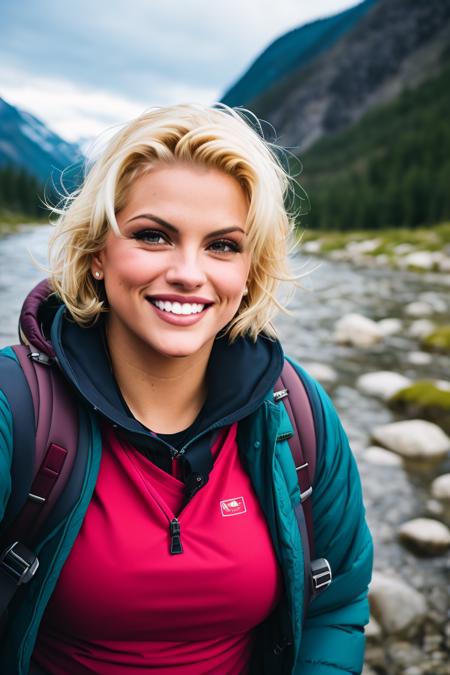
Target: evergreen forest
391,169
20,192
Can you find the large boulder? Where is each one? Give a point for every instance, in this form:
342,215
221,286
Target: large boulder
357,330
398,607
382,384
413,439
425,536
425,399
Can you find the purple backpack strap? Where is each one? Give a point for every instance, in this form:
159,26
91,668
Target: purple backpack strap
55,447
290,389
55,441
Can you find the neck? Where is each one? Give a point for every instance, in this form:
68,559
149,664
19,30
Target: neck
164,393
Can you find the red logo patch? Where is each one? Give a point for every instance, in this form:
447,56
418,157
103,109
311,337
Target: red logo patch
233,507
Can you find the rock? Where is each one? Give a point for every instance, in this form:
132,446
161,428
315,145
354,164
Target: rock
419,358
444,264
382,457
440,487
311,246
382,260
373,629
413,439
426,536
382,384
438,339
390,326
437,303
366,246
357,330
397,607
419,309
421,328
434,508
424,260
367,670
405,655
403,249
322,372
426,399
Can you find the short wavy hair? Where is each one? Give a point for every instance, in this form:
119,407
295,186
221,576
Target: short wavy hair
227,139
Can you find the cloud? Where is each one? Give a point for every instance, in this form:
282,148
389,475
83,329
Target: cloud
81,65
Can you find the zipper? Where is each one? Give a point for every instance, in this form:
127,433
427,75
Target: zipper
176,546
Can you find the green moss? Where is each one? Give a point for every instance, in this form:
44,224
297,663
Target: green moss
423,393
438,340
425,400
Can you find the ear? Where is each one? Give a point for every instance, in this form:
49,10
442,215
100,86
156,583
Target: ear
97,262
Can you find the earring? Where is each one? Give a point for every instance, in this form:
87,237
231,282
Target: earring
245,291
98,275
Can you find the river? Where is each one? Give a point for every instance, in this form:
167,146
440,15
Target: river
329,291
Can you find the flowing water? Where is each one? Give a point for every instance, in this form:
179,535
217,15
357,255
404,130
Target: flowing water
330,290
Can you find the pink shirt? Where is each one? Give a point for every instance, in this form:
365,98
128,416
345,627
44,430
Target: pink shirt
125,605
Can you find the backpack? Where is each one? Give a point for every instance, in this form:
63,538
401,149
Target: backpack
43,474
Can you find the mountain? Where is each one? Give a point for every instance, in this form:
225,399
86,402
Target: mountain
291,51
387,46
27,143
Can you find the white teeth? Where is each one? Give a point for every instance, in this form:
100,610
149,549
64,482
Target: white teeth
178,308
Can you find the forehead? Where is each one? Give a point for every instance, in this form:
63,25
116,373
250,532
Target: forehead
183,191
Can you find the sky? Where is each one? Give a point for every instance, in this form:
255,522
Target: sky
83,67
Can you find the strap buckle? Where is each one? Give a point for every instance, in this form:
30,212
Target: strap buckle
278,395
321,574
40,357
19,562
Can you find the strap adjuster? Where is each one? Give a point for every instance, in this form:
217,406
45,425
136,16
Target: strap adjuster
18,561
40,357
321,574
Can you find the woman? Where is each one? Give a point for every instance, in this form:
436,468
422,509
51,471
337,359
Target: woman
183,554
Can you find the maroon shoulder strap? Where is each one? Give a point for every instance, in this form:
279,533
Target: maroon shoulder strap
303,442
56,441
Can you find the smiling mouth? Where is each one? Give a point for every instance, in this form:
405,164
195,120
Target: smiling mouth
178,308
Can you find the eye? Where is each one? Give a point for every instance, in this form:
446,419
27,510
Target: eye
154,237
224,246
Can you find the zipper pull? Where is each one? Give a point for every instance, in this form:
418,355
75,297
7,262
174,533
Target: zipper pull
175,537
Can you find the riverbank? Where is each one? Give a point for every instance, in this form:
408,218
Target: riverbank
425,249
11,221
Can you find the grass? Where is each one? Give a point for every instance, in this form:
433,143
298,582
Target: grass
10,221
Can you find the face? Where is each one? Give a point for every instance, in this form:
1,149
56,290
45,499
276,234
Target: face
176,275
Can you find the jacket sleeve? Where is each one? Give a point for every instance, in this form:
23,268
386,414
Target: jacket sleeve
333,634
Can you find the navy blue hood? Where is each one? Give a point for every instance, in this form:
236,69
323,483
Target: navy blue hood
238,378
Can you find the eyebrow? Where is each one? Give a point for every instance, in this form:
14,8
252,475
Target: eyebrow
169,226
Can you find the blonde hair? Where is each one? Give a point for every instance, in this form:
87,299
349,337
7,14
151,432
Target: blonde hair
217,136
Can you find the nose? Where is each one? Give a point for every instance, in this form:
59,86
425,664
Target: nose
186,270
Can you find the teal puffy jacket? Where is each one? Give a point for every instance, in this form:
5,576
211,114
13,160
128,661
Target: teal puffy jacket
331,639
